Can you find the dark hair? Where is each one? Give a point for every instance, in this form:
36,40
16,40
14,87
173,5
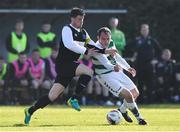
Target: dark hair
144,24
77,11
104,30
46,22
19,21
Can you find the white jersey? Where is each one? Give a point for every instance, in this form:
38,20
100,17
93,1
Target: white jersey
113,81
105,64
101,63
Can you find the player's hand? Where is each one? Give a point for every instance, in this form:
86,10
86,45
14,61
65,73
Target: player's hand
132,71
92,52
111,52
117,68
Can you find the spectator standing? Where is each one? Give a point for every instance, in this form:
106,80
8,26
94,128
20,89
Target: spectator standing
147,49
118,36
17,42
46,40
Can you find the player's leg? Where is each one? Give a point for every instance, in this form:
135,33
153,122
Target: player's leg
127,83
85,74
135,92
131,105
110,81
55,91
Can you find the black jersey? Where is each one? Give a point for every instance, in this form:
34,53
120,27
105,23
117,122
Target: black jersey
67,55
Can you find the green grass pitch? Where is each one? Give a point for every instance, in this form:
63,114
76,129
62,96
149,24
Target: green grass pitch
61,118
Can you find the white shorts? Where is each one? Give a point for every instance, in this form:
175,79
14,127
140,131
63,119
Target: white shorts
115,82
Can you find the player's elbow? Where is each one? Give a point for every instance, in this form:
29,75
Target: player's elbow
68,46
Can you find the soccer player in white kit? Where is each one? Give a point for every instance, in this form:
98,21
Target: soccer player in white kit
111,76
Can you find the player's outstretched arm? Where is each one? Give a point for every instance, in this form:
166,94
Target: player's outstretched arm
103,51
70,43
104,61
122,62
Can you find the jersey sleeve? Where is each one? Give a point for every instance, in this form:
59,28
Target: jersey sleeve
88,39
122,62
91,44
104,61
69,43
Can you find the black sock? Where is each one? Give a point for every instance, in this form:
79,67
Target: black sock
41,103
81,85
135,112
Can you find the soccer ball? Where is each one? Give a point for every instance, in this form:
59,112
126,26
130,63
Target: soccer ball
114,117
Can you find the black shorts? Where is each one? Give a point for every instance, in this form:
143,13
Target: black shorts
65,72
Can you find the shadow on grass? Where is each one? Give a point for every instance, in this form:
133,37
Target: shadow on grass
85,125
51,125
59,125
19,125
15,125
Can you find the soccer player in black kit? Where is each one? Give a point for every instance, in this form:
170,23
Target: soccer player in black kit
72,42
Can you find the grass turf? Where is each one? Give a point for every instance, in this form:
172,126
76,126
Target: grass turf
61,118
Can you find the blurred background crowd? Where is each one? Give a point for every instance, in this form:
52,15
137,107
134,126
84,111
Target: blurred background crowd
147,36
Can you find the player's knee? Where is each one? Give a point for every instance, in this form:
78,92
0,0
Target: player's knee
55,91
128,96
136,94
53,96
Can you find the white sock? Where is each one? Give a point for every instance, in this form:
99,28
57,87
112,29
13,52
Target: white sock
123,107
131,105
134,109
